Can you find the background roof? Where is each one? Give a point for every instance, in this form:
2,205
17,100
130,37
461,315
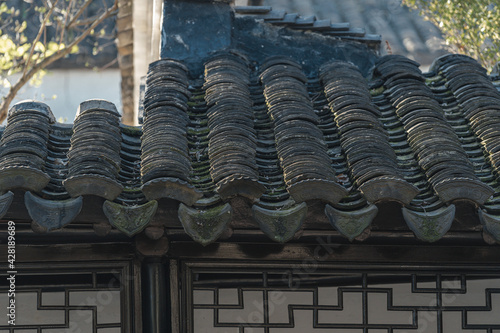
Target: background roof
406,32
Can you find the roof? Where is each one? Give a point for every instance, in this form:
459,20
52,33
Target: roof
406,32
269,129
268,146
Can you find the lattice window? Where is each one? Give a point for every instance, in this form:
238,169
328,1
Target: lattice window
291,300
69,299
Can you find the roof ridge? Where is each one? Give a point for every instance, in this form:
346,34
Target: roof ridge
295,21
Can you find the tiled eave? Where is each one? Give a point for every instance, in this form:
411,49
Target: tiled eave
387,228
196,191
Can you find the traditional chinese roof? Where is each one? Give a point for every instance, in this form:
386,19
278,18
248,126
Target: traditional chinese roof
279,139
267,129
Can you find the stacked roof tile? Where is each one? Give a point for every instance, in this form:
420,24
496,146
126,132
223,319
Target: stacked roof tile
276,137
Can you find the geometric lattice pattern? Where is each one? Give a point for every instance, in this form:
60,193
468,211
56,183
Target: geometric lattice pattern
66,301
364,303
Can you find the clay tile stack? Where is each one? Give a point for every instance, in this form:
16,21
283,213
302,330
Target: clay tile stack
24,141
94,155
363,139
298,139
165,146
232,138
479,99
299,142
23,147
433,140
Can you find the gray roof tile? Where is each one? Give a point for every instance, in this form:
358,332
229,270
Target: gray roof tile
424,141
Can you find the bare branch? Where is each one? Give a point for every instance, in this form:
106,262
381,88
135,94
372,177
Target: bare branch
8,21
109,64
14,89
66,17
40,31
85,21
78,13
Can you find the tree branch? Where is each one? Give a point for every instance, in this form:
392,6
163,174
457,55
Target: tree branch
14,89
64,25
84,21
79,13
37,38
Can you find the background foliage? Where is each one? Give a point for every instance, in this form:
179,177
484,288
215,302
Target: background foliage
34,34
470,27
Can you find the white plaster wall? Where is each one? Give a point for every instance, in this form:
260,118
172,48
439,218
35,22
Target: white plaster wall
64,90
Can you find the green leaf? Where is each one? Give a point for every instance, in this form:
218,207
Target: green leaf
471,27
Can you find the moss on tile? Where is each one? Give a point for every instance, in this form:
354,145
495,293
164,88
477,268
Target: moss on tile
377,91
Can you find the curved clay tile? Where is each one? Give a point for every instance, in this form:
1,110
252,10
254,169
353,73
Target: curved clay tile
205,225
130,220
197,134
388,188
290,139
477,100
274,131
97,185
131,212
242,186
427,200
51,214
353,223
491,224
280,225
316,189
24,178
295,21
430,226
56,164
433,140
173,188
276,213
371,159
463,188
130,167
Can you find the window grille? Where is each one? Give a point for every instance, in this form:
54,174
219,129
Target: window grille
305,298
68,298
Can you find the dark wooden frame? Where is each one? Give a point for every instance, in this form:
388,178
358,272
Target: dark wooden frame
185,256
81,257
162,263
